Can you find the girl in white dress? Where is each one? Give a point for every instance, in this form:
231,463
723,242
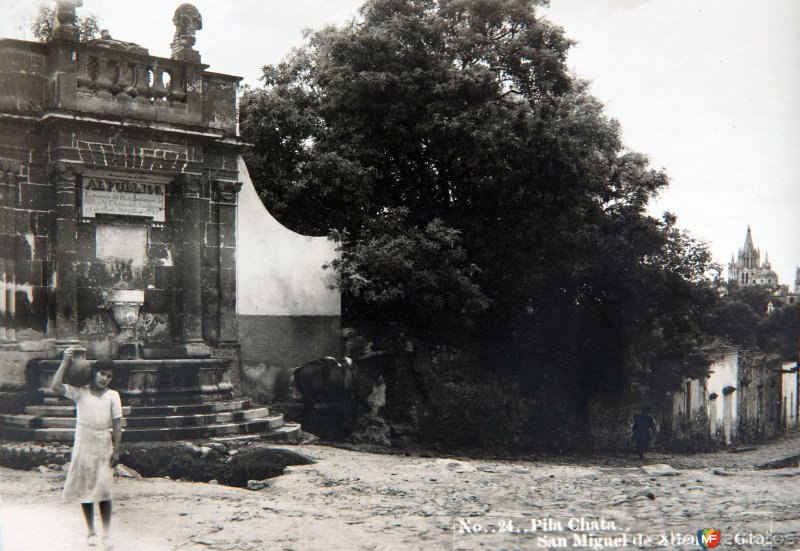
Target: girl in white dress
96,450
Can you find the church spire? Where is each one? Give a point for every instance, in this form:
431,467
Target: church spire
748,242
748,270
749,256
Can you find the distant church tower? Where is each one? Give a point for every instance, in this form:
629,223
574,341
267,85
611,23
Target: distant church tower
797,281
747,269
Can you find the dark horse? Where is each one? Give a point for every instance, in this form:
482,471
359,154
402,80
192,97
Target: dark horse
342,387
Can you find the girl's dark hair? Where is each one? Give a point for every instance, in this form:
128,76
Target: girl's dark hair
103,365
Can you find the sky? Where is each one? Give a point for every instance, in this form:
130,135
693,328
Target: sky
707,89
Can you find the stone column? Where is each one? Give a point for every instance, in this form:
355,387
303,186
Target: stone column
229,347
66,175
191,227
7,284
14,232
229,325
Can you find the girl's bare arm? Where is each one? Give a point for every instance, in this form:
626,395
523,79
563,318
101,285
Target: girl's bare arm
116,437
58,379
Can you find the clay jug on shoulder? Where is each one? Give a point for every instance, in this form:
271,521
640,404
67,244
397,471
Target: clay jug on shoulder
79,371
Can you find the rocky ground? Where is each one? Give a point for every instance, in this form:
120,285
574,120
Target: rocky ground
353,500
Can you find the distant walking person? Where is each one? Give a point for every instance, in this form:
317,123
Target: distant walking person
644,426
96,449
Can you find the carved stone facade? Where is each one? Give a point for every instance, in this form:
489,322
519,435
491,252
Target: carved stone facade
121,180
118,170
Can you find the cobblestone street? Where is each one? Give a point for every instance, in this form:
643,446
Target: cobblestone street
352,500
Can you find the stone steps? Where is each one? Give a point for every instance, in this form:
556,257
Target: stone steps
197,419
35,421
146,411
56,422
18,420
60,411
191,409
11,401
289,432
183,396
266,425
169,399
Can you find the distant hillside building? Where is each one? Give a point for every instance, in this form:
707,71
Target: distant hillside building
748,270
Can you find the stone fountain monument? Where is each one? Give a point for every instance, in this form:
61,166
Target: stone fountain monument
118,194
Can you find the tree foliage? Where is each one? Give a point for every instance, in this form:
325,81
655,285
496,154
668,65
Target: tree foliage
478,183
779,332
393,262
44,24
740,316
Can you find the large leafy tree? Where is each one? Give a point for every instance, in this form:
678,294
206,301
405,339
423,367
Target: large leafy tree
478,184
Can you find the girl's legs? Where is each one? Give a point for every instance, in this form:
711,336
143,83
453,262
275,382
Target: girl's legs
88,516
105,514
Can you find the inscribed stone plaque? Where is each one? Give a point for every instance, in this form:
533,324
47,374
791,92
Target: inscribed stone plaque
123,193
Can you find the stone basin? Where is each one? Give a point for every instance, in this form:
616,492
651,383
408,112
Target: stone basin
125,305
132,296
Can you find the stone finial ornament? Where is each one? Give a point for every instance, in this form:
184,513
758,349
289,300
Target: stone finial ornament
66,20
188,21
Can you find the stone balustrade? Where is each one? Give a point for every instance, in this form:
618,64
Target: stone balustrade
110,74
101,81
115,81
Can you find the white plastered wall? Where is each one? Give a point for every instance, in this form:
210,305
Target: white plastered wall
789,395
723,412
279,272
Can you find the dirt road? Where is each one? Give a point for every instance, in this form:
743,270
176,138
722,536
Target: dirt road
350,500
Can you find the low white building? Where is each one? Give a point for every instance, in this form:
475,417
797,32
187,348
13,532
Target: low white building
709,407
789,392
723,400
